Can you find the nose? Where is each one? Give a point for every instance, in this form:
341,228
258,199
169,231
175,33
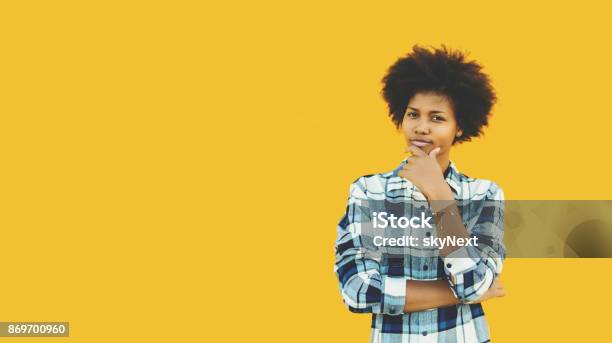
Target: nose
421,127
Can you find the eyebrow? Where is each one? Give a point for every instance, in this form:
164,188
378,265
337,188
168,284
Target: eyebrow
434,111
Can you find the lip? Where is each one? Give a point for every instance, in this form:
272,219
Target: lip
420,142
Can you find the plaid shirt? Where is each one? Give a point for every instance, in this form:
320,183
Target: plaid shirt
370,285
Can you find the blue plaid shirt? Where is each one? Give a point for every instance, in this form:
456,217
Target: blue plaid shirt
370,285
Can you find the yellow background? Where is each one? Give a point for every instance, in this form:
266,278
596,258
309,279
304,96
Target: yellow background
174,171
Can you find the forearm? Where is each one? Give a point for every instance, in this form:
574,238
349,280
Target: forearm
448,222
471,268
424,295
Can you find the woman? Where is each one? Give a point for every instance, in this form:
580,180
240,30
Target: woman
437,99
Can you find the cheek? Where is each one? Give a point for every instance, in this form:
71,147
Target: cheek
446,134
405,128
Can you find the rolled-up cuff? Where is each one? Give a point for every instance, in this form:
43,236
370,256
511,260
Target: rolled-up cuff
460,261
394,294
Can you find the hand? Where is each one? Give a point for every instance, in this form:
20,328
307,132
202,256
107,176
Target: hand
424,171
496,291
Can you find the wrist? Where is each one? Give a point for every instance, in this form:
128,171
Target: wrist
441,191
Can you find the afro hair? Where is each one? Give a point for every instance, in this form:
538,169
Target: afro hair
445,72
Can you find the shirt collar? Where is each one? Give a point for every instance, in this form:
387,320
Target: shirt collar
451,175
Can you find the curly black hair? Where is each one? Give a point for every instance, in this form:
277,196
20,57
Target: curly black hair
445,72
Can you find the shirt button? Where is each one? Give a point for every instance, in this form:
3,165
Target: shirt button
448,265
424,333
425,267
427,233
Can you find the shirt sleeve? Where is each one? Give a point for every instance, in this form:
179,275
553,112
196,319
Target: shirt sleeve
471,270
363,288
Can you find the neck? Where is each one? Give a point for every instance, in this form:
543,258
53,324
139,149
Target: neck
443,161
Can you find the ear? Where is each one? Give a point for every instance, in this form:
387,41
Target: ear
459,133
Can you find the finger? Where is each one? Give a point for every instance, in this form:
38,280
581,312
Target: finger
416,151
434,153
405,173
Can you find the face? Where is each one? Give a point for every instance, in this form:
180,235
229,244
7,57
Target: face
429,122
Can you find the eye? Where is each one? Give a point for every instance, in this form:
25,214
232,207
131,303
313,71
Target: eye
438,118
412,114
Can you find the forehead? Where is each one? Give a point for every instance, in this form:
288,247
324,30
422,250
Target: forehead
431,101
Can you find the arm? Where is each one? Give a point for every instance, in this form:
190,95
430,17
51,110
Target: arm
363,288
425,295
471,270
433,294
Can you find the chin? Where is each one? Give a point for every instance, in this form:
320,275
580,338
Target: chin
428,148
